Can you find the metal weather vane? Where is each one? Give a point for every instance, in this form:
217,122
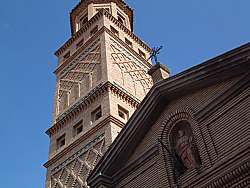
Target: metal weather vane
153,55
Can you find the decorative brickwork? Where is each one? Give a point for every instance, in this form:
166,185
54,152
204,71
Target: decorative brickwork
129,66
78,80
168,127
86,117
74,171
198,119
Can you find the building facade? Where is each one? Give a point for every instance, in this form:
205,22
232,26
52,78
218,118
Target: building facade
101,78
191,130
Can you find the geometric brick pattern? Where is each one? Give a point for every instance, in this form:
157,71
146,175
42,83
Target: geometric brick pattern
74,174
74,82
83,68
131,66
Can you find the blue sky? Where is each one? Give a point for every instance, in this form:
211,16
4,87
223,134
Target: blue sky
30,31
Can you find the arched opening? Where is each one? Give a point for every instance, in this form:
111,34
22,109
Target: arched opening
183,148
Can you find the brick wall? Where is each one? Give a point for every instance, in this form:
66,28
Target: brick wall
220,133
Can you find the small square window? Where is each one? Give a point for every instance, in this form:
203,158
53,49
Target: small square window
120,18
123,113
114,31
60,141
67,55
78,128
128,42
98,9
80,43
94,31
142,54
83,20
96,114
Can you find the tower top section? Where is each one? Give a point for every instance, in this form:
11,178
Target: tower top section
86,9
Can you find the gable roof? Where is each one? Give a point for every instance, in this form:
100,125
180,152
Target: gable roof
230,64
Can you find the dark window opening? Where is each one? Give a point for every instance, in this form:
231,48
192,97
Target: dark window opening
120,18
123,113
80,43
98,9
128,42
66,56
94,31
61,141
83,20
142,54
78,128
114,30
96,114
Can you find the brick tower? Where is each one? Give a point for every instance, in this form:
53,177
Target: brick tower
101,78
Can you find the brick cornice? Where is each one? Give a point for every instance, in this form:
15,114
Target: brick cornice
88,43
83,5
79,33
84,102
128,47
91,22
127,31
238,163
92,131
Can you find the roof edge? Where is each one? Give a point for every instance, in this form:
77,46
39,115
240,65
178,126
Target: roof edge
229,64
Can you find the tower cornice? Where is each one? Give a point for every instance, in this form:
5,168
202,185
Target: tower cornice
92,39
74,144
84,102
84,3
90,23
78,34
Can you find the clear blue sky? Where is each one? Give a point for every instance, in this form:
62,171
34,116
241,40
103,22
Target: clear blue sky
31,30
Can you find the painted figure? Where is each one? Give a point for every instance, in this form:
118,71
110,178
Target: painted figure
185,150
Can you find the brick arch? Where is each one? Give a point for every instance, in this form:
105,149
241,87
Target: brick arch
181,114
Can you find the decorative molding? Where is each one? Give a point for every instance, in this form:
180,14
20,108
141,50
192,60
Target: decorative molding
125,95
79,33
224,98
98,15
85,101
72,78
183,113
78,56
130,65
232,177
128,48
173,118
127,31
237,163
82,5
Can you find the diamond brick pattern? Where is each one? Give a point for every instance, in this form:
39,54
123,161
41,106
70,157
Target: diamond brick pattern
74,174
129,65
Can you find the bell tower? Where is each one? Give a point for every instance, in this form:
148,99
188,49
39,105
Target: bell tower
101,77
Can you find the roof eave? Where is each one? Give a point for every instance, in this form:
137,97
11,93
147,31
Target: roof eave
230,64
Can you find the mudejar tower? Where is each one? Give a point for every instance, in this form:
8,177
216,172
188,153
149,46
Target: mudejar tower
101,77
